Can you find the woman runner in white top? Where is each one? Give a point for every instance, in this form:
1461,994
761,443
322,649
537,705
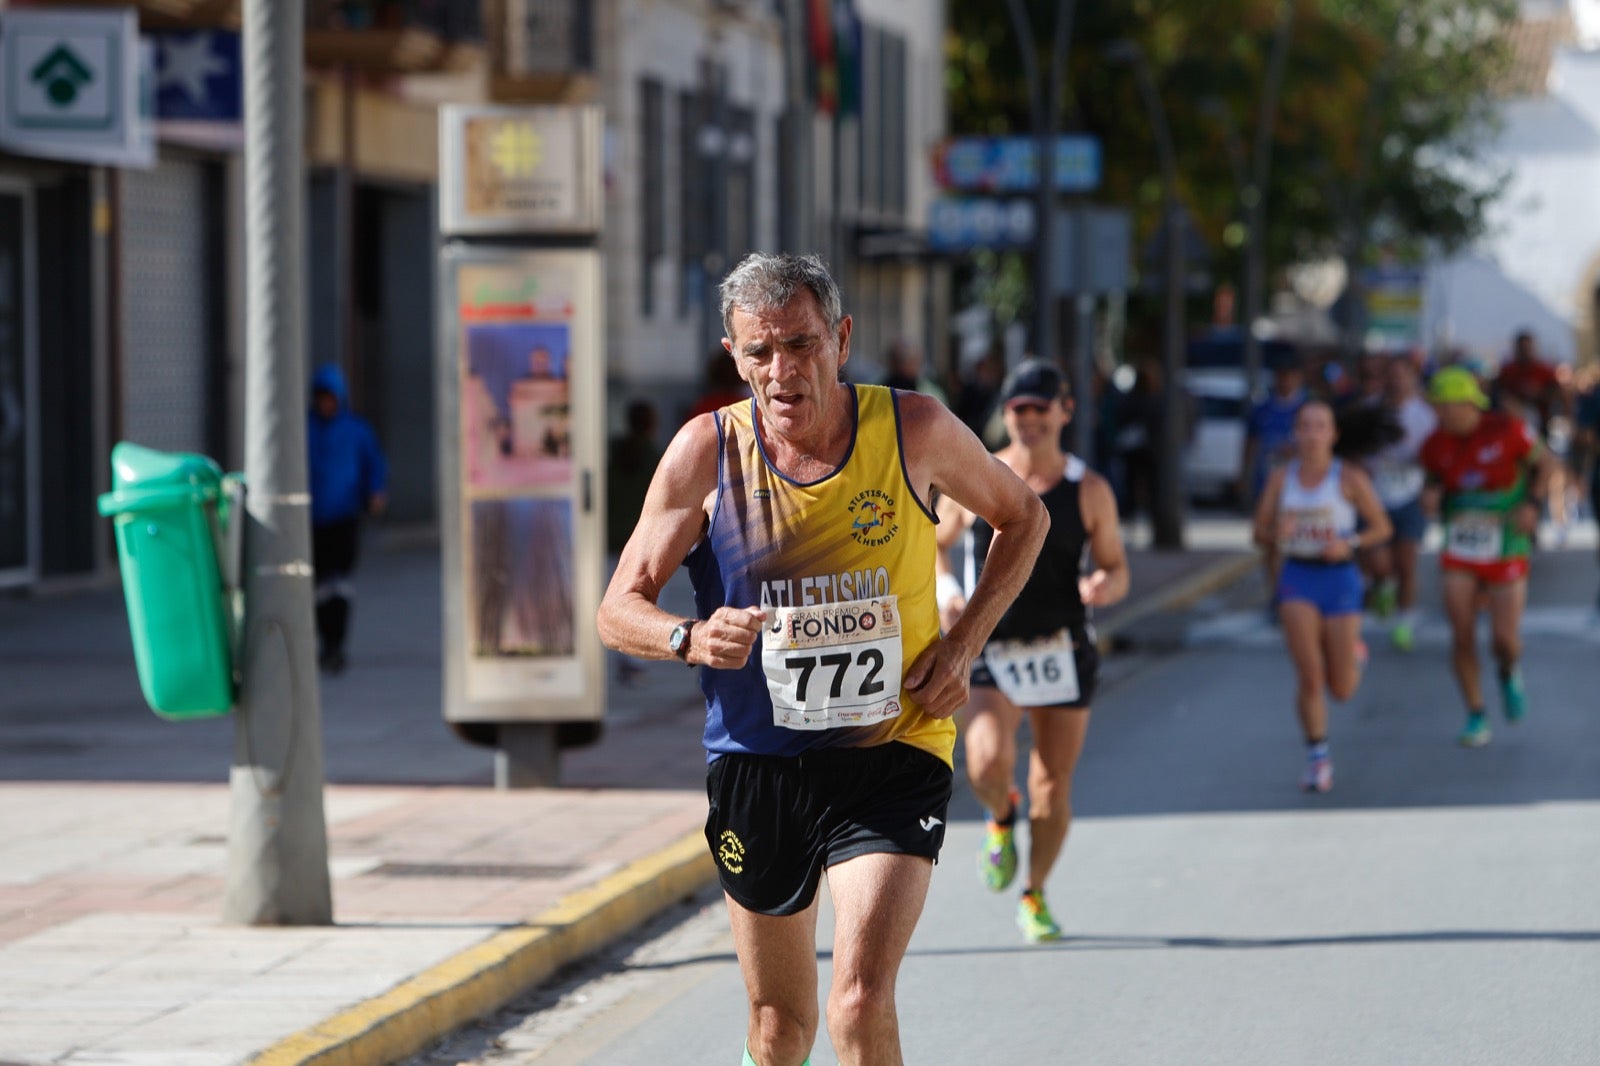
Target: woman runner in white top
1308,512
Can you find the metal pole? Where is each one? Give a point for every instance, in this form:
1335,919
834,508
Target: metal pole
1047,177
1256,196
1044,105
278,842
1167,520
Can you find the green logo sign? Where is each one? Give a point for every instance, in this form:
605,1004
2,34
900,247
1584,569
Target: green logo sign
61,74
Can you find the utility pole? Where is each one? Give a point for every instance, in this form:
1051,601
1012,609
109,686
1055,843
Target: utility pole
1256,195
278,839
1167,517
1045,109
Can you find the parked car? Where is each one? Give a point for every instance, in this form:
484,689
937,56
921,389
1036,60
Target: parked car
1212,460
1215,381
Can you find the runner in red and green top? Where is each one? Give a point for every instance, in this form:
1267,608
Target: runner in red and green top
1487,476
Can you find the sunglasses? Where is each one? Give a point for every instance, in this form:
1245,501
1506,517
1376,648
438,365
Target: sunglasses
1026,408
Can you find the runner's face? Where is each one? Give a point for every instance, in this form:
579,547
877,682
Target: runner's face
1032,423
1400,379
1313,431
1458,418
791,358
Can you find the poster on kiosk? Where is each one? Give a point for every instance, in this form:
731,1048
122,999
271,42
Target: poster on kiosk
521,408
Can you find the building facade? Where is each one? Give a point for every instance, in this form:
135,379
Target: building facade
1539,267
723,142
731,125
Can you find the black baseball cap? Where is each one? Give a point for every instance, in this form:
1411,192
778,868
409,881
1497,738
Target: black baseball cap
1033,380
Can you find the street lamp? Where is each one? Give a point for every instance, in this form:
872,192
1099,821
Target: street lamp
1167,512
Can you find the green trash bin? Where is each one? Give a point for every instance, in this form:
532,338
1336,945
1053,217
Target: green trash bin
170,515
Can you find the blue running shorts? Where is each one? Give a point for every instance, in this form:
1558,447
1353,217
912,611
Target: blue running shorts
1332,588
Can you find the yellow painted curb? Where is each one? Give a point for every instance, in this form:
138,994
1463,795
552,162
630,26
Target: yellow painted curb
1183,594
420,1010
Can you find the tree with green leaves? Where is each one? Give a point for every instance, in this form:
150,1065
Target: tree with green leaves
1383,109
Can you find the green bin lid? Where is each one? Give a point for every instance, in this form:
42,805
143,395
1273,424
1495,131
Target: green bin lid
137,467
143,478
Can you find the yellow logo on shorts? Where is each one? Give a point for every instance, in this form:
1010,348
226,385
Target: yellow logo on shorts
730,851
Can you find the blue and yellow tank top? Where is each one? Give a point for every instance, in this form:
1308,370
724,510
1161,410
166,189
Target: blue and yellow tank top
844,567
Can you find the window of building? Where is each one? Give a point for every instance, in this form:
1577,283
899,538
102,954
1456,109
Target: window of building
691,211
652,169
740,164
882,134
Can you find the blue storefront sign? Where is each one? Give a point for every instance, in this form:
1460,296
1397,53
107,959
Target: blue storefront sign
959,225
1010,164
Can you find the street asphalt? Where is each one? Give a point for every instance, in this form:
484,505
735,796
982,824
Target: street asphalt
1437,908
450,897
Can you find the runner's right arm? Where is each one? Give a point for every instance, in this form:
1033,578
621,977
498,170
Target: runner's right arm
674,518
1266,520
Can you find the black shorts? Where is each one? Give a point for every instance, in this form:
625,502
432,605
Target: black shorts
1085,655
776,822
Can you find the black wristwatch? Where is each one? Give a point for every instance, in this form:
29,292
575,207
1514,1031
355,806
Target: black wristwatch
678,642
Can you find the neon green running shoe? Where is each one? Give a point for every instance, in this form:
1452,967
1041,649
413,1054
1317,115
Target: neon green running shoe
1033,918
1404,637
1475,734
1513,697
997,858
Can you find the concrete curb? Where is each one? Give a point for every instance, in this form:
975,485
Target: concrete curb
1179,595
470,984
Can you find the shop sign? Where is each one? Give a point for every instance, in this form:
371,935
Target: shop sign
76,86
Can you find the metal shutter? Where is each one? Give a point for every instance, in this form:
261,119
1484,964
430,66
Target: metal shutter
166,315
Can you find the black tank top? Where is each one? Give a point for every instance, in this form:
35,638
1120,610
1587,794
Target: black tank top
1050,600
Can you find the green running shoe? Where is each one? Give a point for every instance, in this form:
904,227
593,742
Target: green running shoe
1404,637
997,858
1475,734
1033,918
1513,698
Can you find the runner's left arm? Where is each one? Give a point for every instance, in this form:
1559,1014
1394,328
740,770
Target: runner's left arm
1544,475
1357,488
953,521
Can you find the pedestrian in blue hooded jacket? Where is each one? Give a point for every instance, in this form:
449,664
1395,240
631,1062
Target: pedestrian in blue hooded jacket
349,478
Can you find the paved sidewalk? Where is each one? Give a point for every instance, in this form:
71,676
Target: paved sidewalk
450,897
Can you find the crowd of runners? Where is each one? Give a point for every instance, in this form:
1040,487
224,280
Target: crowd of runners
846,644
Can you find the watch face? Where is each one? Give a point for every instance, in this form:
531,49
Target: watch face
679,638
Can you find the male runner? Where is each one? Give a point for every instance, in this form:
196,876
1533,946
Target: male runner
1487,477
804,517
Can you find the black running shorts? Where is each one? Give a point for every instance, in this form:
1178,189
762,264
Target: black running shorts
1085,656
777,822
